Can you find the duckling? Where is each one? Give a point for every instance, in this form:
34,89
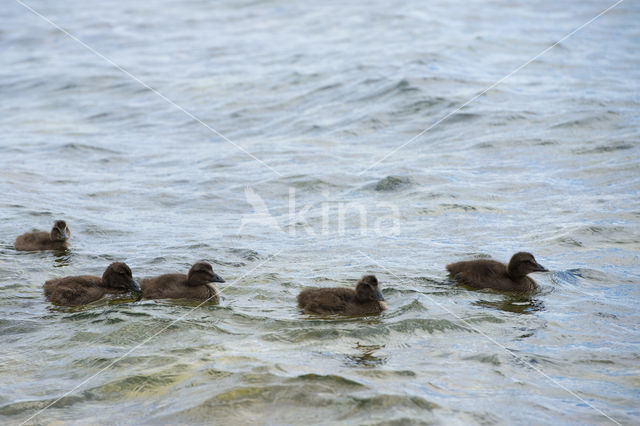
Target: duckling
80,290
54,240
365,299
194,286
485,273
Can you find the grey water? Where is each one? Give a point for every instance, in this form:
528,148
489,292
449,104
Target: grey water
309,189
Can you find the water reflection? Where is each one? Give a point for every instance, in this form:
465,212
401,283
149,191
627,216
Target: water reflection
129,298
62,258
365,357
518,304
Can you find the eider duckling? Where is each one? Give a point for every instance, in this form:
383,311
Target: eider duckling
194,286
80,290
54,240
485,273
365,299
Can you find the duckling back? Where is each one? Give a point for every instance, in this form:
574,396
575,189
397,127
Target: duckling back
481,273
366,299
54,240
38,241
74,291
326,300
486,273
175,286
83,289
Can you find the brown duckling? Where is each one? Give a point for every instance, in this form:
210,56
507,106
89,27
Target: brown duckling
197,285
54,240
80,290
485,273
365,299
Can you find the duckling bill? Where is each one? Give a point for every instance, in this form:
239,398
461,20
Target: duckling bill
56,239
80,290
486,273
196,285
365,299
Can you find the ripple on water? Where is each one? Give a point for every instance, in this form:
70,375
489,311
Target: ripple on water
139,385
366,357
584,273
412,307
401,87
420,106
71,148
425,325
8,327
393,183
246,254
29,407
316,397
605,148
297,335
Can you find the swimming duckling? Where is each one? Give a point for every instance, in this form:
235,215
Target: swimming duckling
54,240
365,299
80,290
485,273
197,285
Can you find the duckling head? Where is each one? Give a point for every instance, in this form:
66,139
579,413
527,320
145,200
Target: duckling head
60,232
202,273
118,276
523,263
367,289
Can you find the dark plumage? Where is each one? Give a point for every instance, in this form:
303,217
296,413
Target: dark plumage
80,290
483,273
194,286
365,299
54,240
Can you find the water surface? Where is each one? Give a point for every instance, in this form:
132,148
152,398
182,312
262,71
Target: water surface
546,162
